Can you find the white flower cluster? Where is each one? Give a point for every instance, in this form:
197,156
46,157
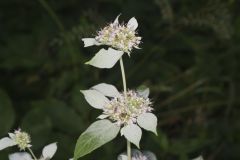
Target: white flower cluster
22,139
122,37
125,109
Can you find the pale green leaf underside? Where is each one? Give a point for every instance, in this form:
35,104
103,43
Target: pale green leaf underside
148,121
107,89
99,133
95,98
105,58
132,133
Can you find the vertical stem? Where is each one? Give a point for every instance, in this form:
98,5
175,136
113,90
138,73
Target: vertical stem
34,157
123,77
125,94
129,154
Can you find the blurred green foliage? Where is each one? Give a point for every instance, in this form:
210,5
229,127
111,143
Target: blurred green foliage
189,58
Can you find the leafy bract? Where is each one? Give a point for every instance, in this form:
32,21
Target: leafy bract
107,89
148,121
132,133
95,98
105,58
99,133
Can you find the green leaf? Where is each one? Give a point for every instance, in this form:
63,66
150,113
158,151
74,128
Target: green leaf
105,58
7,114
95,98
148,121
132,133
99,133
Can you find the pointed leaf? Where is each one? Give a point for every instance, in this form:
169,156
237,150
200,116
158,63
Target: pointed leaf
49,151
148,121
132,23
6,142
95,98
105,58
99,133
107,89
133,133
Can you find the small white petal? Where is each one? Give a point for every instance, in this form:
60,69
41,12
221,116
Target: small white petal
20,156
90,42
6,142
95,98
103,116
132,23
133,133
116,20
107,89
105,58
148,121
49,151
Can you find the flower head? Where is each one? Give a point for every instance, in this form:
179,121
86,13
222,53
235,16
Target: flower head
125,109
19,138
22,139
122,37
128,111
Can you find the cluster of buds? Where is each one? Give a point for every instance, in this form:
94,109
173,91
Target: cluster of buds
125,109
122,37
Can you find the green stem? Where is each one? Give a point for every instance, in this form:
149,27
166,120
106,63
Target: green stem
123,77
34,157
125,94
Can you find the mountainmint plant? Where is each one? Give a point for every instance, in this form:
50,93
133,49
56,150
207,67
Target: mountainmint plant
22,140
123,112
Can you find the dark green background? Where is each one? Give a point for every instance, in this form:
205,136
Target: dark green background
189,58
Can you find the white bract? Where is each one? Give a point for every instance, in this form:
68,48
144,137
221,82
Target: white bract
47,153
138,155
127,111
19,138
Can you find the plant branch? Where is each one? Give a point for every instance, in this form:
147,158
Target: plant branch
33,155
125,94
